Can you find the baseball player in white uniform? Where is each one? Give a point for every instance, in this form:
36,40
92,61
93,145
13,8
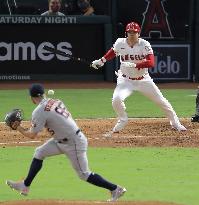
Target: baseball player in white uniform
136,57
66,139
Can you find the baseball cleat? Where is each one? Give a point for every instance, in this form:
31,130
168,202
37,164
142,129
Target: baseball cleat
109,134
117,193
18,186
195,118
120,125
179,128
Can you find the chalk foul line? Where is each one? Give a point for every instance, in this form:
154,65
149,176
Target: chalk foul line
25,142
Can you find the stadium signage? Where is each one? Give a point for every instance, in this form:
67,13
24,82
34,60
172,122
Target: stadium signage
38,19
172,62
167,65
29,51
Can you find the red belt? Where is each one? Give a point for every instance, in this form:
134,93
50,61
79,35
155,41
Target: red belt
139,78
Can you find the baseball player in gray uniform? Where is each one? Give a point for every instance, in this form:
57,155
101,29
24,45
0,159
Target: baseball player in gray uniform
66,139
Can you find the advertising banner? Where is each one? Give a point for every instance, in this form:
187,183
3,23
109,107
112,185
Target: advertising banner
22,55
172,62
21,51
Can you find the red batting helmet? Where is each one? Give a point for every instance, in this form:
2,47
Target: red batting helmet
133,26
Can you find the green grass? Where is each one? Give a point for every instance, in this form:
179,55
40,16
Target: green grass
149,174
96,103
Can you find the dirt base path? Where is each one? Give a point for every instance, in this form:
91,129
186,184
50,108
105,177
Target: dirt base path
138,133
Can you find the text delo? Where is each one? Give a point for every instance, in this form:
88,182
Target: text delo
166,66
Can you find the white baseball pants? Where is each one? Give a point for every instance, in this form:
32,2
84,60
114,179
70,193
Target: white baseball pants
125,87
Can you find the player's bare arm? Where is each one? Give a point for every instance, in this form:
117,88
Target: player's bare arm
27,132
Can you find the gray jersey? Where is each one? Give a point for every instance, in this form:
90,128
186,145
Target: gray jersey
53,115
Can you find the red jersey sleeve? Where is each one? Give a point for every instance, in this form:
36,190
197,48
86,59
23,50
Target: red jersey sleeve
110,54
149,63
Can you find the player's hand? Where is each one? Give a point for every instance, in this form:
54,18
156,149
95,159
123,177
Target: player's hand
98,63
128,64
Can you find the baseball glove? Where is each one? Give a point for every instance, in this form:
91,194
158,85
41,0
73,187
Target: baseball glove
13,118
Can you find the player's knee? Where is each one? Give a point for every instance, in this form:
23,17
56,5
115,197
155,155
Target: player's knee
118,105
124,119
84,175
116,102
39,154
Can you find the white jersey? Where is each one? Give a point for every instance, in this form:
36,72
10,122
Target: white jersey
53,115
135,54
